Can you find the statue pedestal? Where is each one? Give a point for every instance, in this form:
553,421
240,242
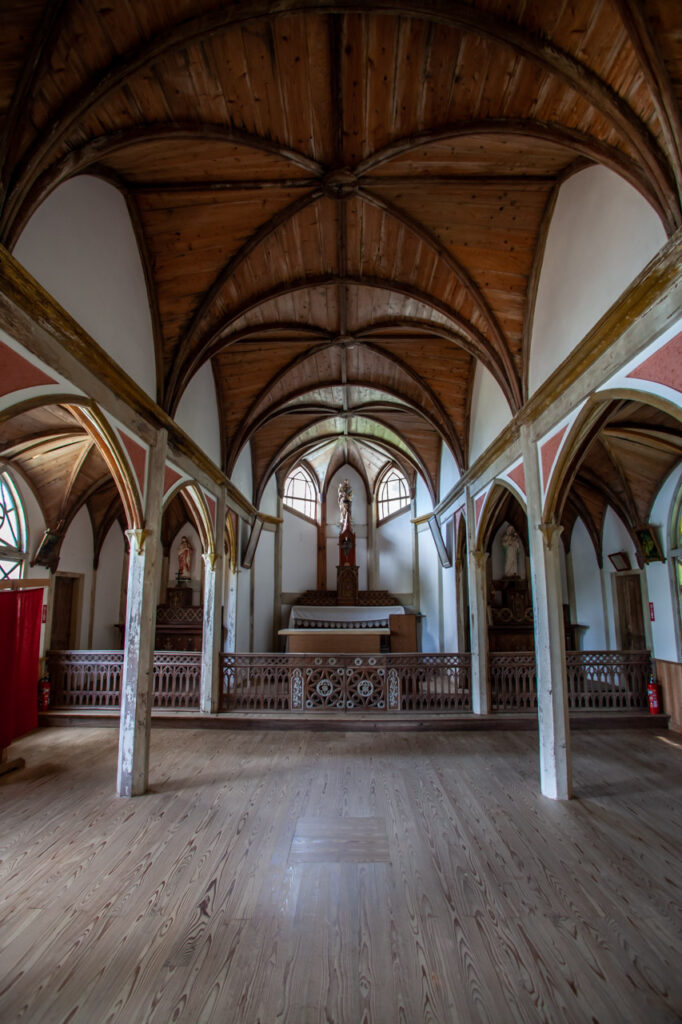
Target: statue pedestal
346,584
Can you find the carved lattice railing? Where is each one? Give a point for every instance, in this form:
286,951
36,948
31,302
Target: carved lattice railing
345,682
512,681
597,680
83,679
607,680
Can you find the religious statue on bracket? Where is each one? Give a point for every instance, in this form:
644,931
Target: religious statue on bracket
511,545
346,570
345,503
185,552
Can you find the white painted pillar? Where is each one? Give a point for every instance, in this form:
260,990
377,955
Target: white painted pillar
550,656
214,568
478,610
231,603
140,627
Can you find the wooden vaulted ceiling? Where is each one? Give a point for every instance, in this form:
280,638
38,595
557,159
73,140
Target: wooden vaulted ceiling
337,196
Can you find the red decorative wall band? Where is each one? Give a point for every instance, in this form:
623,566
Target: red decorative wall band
548,453
170,478
18,373
138,458
518,477
663,367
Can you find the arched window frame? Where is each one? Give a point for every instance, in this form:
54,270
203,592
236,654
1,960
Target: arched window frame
675,559
12,530
305,505
386,508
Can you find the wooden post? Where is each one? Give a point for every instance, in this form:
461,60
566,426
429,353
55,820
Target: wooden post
478,593
138,650
214,568
550,655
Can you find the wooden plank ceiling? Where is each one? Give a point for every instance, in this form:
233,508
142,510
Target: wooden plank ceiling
334,196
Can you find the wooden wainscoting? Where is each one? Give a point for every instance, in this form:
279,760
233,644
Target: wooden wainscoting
669,675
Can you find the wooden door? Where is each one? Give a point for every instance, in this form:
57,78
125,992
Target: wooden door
629,611
64,615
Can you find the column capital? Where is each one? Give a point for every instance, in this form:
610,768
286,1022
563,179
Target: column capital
480,557
137,537
210,558
551,531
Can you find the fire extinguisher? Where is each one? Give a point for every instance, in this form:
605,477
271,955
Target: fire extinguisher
654,694
44,693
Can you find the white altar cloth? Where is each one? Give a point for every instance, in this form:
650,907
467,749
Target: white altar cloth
309,616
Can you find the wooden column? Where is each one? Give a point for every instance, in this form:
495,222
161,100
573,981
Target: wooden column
140,625
550,656
214,568
478,610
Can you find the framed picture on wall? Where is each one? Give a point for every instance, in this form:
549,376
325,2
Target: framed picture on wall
620,560
648,544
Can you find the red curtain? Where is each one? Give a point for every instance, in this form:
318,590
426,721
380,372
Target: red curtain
20,613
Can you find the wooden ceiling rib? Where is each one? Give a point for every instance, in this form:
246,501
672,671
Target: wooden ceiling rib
337,194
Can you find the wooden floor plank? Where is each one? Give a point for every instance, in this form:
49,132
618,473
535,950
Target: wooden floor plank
311,877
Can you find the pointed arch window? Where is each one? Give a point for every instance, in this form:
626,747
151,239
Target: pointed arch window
300,493
393,494
12,531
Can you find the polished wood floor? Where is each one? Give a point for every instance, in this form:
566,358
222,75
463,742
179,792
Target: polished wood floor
330,878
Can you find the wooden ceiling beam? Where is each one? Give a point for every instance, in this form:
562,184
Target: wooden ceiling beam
446,427
97,150
222,185
460,273
173,391
634,16
577,142
457,14
49,25
300,451
469,338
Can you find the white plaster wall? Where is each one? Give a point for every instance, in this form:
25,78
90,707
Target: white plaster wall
105,635
242,474
449,470
603,232
80,245
76,556
197,412
589,606
658,575
490,412
394,554
243,638
423,502
187,530
264,593
299,554
268,503
615,538
429,590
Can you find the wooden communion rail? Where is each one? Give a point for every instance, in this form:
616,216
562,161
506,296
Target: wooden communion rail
597,681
